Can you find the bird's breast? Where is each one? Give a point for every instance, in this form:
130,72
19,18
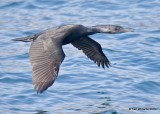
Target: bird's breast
70,38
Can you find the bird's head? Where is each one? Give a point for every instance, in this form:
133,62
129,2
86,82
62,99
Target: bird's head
110,29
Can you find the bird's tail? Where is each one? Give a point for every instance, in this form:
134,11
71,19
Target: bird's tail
26,39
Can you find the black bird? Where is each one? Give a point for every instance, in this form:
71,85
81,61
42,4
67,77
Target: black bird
46,53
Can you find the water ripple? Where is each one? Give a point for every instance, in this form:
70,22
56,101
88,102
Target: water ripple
83,88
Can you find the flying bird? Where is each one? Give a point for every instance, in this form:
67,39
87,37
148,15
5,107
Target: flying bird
46,52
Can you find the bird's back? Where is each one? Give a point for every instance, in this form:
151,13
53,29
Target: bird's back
59,34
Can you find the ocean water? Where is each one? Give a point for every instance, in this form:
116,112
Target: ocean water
133,80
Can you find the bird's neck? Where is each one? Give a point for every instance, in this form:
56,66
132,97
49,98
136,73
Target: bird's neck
94,29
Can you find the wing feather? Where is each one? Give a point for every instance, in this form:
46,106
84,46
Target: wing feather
92,50
45,64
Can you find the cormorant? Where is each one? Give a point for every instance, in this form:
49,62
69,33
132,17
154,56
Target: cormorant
46,53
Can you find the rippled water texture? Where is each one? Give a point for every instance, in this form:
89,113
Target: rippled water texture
82,87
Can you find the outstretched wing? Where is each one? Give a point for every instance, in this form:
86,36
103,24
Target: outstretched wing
45,59
93,50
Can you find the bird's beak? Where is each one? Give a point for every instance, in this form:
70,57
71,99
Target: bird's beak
126,30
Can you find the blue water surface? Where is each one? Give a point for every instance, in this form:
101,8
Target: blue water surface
133,80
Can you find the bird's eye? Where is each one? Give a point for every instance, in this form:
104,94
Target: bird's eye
118,28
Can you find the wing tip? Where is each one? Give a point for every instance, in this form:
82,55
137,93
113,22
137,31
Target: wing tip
104,64
38,90
41,87
108,64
